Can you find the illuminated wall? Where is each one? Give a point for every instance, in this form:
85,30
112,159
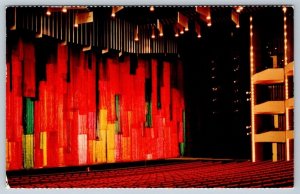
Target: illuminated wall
90,109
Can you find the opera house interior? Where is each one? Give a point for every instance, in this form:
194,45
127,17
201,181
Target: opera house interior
150,96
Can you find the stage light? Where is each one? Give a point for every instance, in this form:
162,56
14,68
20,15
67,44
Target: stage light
284,9
115,9
64,10
239,9
136,33
153,32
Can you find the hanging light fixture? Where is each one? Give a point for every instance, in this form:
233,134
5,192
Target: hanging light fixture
235,18
48,13
198,30
136,33
76,22
284,9
239,9
152,8
183,21
64,9
115,9
153,32
205,15
182,30
176,30
84,17
160,28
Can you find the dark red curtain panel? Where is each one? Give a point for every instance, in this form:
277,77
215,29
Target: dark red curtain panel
90,109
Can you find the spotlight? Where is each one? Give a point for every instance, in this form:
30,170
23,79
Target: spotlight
64,10
136,34
153,32
284,9
239,9
48,13
151,8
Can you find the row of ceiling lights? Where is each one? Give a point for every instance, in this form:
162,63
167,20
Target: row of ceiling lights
180,27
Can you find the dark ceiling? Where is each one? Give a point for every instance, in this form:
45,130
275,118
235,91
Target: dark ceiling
168,14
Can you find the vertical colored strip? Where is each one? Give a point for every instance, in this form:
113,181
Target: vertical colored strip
111,143
149,114
28,116
28,151
182,145
118,118
43,146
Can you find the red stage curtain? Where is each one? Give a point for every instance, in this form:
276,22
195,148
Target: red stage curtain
78,116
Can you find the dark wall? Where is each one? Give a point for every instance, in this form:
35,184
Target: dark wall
217,77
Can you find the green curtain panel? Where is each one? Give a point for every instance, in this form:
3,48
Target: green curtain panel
117,105
28,116
182,145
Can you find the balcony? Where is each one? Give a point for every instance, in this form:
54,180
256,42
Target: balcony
289,103
271,136
289,69
269,76
290,134
270,107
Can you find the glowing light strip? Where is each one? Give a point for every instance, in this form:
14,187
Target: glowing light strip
286,83
252,94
